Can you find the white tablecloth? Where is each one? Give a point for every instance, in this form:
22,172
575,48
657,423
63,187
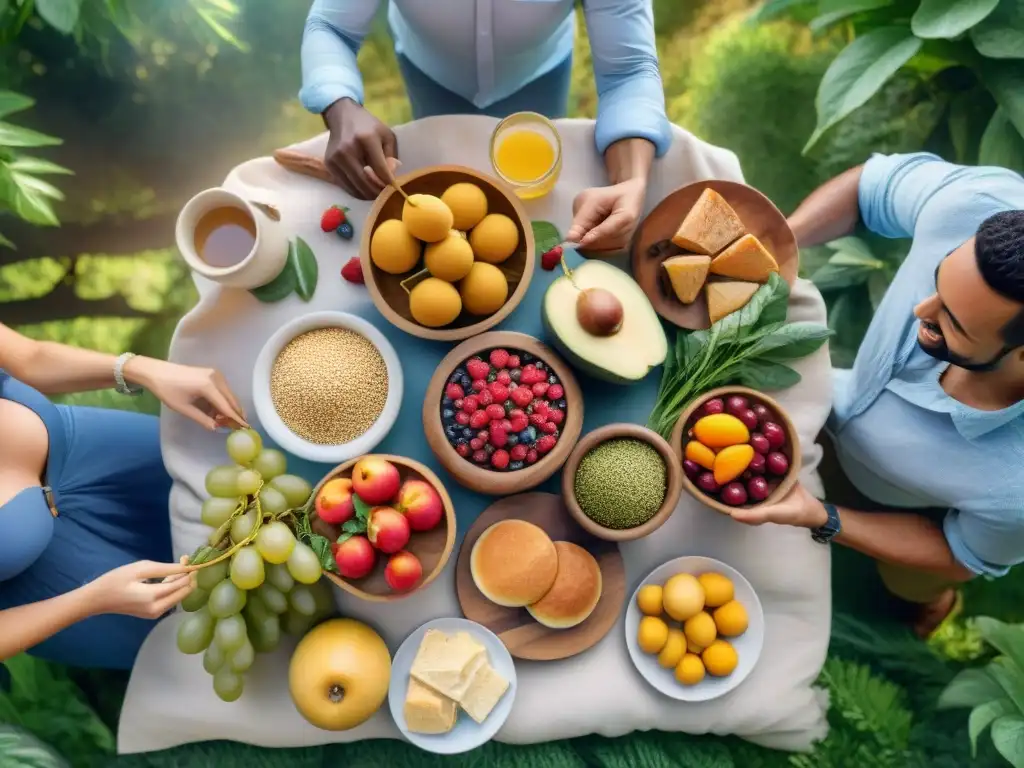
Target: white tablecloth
170,700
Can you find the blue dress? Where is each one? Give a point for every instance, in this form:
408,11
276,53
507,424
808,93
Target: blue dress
104,506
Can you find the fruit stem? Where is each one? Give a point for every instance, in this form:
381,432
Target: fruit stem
412,277
244,542
568,272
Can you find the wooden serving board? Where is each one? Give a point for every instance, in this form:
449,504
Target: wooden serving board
524,637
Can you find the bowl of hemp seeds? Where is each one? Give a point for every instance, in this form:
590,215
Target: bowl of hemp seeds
327,387
621,482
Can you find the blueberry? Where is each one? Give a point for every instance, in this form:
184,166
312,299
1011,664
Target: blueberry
526,357
461,441
539,365
552,379
345,230
447,414
467,433
455,378
451,433
528,435
513,438
515,465
515,375
446,402
467,383
460,371
560,405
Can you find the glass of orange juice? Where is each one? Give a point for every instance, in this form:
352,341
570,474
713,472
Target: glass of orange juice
526,153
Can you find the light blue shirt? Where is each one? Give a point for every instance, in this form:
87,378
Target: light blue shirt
486,50
901,439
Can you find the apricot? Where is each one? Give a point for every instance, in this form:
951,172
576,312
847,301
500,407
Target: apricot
450,259
427,218
700,454
484,289
468,204
393,248
732,462
495,238
720,430
434,303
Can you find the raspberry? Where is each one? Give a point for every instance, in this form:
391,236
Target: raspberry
477,369
498,436
462,449
531,456
479,384
480,456
518,452
353,271
546,443
332,218
500,391
519,423
484,397
541,406
522,396
548,427
504,378
551,259
499,459
555,417
478,419
462,418
513,362
454,392
555,392
540,388
470,404
538,419
528,375
495,411
499,358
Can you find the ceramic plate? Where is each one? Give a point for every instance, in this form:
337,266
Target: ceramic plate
748,645
467,733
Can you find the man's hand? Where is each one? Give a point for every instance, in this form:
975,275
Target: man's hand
604,217
798,509
362,152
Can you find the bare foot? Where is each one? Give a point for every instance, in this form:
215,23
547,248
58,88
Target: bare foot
932,614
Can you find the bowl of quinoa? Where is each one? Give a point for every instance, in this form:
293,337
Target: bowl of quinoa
621,482
327,387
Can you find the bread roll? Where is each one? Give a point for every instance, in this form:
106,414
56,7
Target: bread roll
513,563
574,595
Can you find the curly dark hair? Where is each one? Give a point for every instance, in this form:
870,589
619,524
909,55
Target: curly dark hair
999,250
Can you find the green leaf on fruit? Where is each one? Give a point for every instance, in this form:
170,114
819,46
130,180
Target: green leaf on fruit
545,236
362,509
203,554
342,538
354,526
322,546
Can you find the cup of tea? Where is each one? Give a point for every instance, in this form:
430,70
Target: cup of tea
224,238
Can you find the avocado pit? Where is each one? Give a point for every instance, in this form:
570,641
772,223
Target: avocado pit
599,312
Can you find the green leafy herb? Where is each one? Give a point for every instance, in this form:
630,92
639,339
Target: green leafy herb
299,275
322,546
545,236
354,526
748,347
362,509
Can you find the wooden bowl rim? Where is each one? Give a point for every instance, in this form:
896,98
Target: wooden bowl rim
467,331
795,459
487,481
673,480
449,518
662,304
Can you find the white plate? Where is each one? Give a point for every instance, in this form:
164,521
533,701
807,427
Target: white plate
467,733
748,645
276,428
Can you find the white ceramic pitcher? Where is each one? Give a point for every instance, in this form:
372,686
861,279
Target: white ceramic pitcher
263,263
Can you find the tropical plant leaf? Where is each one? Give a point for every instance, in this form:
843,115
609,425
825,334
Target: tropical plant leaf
1008,738
304,266
835,277
1005,80
1010,678
970,688
29,198
62,15
37,166
831,12
1001,34
1008,639
15,136
858,72
983,715
11,102
852,245
26,181
947,19
1002,144
19,749
545,236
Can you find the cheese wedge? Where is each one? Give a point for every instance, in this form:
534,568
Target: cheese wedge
686,275
709,226
484,693
746,259
427,711
447,663
726,297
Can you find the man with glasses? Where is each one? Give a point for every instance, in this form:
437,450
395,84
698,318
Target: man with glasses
928,427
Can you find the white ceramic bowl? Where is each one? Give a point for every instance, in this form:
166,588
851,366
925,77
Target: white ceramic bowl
748,645
276,428
467,733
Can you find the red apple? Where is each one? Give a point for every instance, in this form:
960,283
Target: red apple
354,557
334,503
420,504
375,480
403,571
388,529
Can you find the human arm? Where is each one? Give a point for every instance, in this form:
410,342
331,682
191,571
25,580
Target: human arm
124,590
55,369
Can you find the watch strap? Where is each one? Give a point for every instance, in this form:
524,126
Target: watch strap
831,528
122,386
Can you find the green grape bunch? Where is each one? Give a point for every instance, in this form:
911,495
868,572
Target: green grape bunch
261,580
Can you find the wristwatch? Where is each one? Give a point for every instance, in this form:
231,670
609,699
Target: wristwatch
831,528
122,386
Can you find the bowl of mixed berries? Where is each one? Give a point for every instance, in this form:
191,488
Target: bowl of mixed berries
502,413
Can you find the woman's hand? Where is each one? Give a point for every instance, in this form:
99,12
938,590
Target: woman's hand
132,590
201,394
604,217
362,152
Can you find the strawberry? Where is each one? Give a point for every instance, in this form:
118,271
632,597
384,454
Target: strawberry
479,384
518,452
504,378
453,392
551,259
555,417
538,419
540,388
546,443
531,456
495,411
470,404
499,358
498,437
478,419
477,369
353,271
513,362
499,459
499,391
484,397
522,396
332,218
555,392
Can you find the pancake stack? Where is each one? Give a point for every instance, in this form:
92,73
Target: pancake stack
515,564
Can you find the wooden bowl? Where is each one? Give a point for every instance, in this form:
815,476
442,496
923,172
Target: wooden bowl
392,300
490,481
433,547
673,481
758,213
791,449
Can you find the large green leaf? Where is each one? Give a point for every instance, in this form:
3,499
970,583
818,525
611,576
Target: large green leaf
16,136
946,19
983,715
858,72
1008,639
970,688
831,12
1005,80
36,165
851,244
62,15
1001,35
1002,144
1010,678
11,102
1008,737
20,749
28,197
836,277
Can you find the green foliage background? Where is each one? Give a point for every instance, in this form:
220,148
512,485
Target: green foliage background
171,109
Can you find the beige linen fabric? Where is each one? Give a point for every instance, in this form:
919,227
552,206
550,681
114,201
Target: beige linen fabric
170,700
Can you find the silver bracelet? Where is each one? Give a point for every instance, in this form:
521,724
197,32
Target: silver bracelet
123,387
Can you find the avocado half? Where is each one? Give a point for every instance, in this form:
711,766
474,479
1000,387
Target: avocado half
622,358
